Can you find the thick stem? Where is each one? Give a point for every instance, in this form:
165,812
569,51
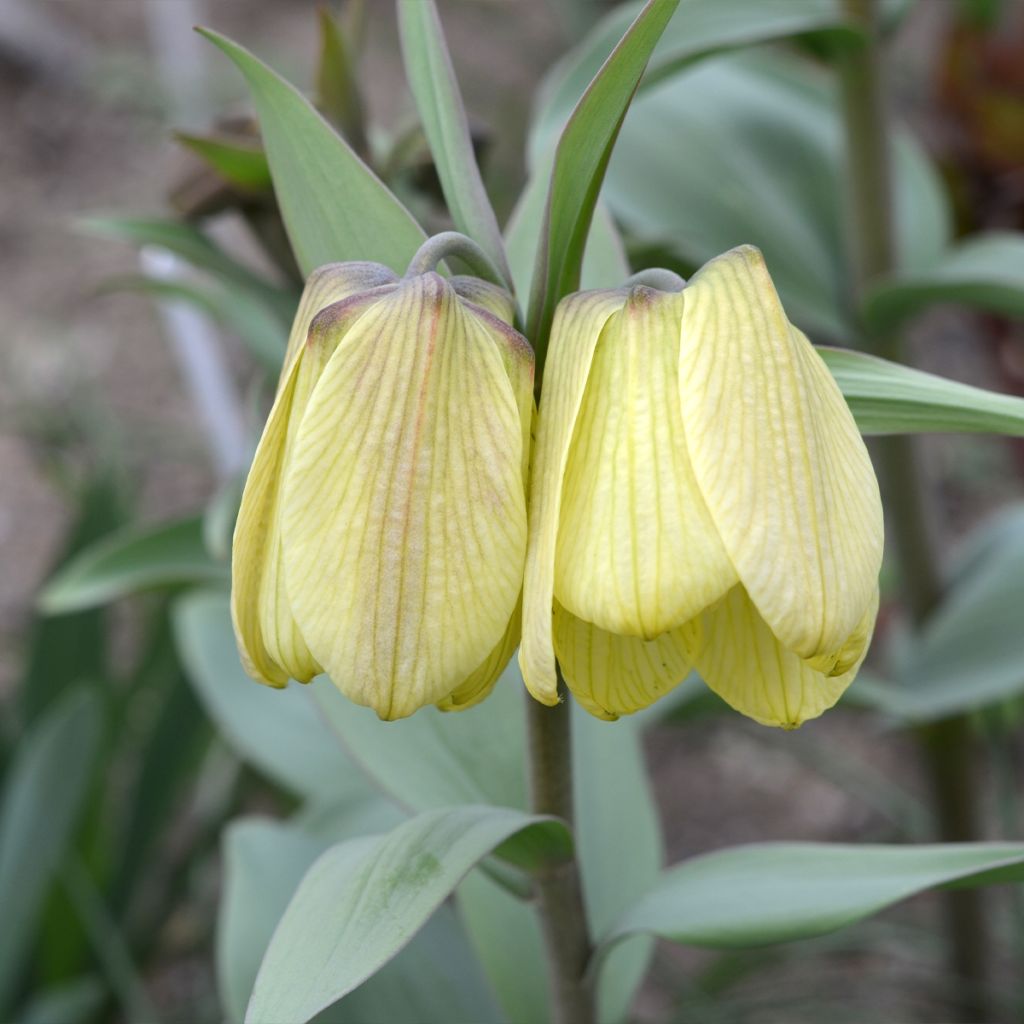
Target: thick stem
947,746
559,889
659,278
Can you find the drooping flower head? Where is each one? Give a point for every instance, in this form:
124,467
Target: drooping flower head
382,531
701,498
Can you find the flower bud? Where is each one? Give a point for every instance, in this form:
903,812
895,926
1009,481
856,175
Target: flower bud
701,498
382,531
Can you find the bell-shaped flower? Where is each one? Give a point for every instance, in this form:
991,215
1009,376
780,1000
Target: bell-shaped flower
701,499
382,531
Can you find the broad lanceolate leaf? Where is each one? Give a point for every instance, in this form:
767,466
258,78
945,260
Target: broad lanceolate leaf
698,29
613,800
43,794
437,759
131,560
432,80
748,148
278,732
434,979
888,398
985,271
580,163
364,899
970,652
334,206
775,892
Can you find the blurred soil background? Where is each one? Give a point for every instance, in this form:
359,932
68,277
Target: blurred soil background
88,383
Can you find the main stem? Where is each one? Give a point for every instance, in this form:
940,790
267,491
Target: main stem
946,746
559,891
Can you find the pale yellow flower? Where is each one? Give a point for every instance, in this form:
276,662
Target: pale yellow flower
382,531
701,498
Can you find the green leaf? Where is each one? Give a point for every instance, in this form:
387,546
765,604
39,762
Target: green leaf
334,206
428,67
435,758
131,560
986,271
239,163
970,652
604,258
749,148
337,82
233,308
888,398
364,899
43,794
192,245
698,29
496,922
278,732
434,979
580,163
614,800
776,892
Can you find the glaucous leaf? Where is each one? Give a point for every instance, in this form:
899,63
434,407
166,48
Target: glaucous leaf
364,899
278,732
613,801
436,91
130,560
985,271
889,398
776,892
435,758
748,148
334,206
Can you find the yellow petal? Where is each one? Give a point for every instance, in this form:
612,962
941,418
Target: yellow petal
404,513
483,679
741,660
269,641
326,285
578,322
489,296
613,675
637,552
778,458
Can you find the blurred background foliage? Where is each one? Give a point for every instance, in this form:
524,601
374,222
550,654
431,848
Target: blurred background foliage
147,291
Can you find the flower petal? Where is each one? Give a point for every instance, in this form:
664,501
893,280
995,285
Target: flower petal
484,677
495,299
269,641
613,675
326,285
637,552
741,660
404,512
778,458
578,322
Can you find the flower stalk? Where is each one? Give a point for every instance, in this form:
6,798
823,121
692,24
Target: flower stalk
559,887
947,746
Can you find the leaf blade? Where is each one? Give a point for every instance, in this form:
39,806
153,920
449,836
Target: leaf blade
432,79
365,899
889,398
777,892
334,207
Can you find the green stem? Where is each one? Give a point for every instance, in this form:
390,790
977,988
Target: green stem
947,747
559,889
452,244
